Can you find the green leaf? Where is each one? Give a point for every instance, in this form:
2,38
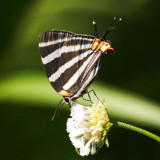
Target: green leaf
106,141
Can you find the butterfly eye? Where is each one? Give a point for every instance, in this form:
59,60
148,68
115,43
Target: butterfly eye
110,51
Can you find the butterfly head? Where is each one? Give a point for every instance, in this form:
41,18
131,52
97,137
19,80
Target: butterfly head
104,46
110,51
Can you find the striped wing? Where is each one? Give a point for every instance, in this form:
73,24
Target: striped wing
89,73
50,46
66,56
82,61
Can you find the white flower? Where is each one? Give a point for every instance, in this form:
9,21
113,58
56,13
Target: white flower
88,127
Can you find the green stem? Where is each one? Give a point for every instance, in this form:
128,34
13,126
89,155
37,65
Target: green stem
136,129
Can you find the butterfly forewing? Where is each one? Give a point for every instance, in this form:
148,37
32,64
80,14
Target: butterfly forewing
50,45
89,73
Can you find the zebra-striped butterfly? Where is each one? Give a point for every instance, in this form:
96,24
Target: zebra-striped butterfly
72,61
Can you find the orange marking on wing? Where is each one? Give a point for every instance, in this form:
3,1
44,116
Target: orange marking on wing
64,93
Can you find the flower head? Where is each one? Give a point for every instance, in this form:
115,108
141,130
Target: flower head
88,127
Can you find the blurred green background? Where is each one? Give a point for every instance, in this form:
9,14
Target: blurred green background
129,79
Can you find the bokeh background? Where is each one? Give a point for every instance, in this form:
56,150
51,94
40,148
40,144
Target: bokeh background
129,79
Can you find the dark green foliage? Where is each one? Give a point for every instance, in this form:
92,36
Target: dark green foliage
28,101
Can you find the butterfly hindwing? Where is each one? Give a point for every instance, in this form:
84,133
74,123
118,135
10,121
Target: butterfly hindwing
81,51
89,73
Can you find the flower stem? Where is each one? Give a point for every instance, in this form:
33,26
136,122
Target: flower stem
136,129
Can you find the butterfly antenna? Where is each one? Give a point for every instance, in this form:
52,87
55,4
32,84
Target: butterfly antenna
111,27
95,29
59,104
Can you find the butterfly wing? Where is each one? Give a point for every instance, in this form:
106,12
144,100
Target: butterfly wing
65,57
79,64
91,70
50,46
87,73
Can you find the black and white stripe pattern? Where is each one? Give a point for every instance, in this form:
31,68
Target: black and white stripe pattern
69,61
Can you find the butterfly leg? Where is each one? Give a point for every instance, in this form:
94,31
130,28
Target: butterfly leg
87,99
94,94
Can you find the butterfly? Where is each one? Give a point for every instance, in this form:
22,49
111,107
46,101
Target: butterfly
72,61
